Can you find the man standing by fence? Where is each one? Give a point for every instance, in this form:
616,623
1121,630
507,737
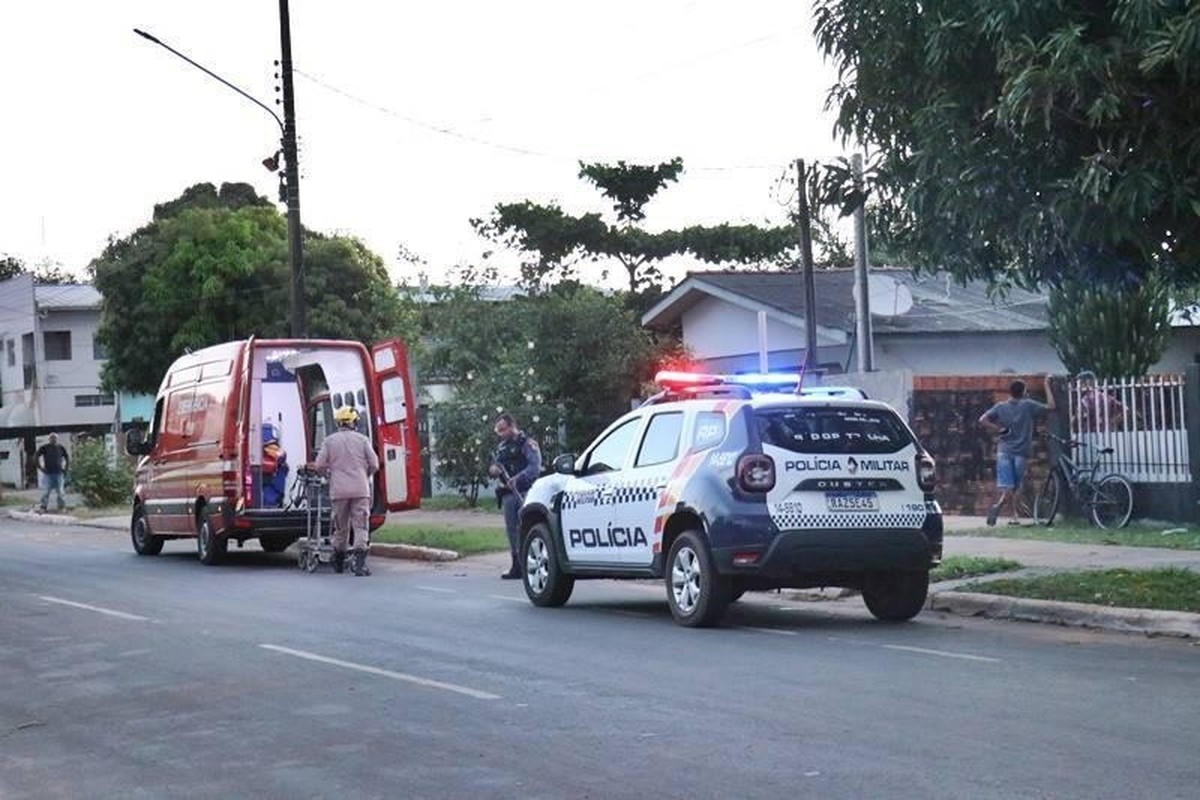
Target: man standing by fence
1013,419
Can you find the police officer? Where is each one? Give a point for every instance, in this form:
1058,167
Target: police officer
350,460
516,463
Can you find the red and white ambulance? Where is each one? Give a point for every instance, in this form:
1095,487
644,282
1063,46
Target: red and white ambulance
234,422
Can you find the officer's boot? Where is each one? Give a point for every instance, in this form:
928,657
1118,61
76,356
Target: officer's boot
339,561
360,563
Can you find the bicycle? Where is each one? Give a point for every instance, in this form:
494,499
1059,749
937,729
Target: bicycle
1107,499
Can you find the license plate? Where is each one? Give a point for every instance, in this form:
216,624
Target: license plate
852,501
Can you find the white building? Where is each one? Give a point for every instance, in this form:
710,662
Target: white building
49,370
734,321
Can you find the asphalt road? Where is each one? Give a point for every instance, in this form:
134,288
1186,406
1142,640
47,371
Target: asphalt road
128,677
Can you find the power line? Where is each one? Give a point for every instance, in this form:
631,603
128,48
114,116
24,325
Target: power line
420,123
446,130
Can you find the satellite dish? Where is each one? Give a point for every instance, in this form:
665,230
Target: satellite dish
888,297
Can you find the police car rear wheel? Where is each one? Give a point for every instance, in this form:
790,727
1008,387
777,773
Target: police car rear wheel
546,584
896,596
697,595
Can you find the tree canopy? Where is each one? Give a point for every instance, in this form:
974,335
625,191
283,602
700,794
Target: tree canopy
1039,141
45,273
211,267
556,240
565,360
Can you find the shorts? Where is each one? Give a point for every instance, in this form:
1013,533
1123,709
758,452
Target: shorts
1010,470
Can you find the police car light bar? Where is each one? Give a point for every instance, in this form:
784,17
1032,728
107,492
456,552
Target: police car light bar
669,379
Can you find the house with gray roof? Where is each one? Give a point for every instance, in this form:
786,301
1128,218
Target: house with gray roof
49,370
733,321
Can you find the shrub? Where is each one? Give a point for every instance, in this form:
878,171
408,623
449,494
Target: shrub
94,475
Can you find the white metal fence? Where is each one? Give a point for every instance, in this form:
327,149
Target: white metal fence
1141,419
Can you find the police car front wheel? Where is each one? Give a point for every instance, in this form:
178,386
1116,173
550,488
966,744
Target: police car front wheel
545,583
698,596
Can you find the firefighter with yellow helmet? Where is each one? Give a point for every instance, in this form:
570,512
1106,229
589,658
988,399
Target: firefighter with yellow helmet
350,461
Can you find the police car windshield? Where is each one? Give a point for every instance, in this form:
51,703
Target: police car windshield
832,430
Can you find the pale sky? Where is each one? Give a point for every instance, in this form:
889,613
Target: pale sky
99,124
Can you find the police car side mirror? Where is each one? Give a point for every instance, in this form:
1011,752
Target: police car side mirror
565,464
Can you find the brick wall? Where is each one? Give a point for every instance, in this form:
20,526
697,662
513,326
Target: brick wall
945,417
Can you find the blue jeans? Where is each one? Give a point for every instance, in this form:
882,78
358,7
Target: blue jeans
53,482
1010,470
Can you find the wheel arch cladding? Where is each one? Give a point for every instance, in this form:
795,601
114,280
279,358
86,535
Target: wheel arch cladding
680,521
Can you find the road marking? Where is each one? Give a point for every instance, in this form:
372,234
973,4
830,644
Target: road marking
436,589
384,673
775,631
942,653
108,611
509,598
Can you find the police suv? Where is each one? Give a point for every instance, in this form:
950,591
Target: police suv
724,484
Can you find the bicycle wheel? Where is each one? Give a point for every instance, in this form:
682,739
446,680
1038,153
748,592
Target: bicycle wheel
1112,502
1045,504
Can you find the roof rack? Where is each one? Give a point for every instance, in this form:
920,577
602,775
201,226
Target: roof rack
699,392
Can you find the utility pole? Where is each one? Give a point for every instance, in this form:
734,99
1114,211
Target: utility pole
291,172
804,228
292,177
862,306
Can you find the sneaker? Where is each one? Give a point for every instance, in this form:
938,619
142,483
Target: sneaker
993,512
1014,522
511,575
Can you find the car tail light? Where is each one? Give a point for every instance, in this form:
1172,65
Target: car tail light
926,472
229,480
756,473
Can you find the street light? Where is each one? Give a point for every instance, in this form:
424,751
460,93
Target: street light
287,127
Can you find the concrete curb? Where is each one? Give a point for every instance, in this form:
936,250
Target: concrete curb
1083,615
412,552
49,519
64,519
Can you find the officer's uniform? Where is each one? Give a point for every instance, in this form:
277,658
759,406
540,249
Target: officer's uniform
522,461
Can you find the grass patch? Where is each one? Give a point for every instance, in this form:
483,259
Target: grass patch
1164,589
455,502
955,567
465,540
1164,535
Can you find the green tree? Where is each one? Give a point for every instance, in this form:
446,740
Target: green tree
212,266
1034,141
570,356
555,241
46,273
1085,321
1049,142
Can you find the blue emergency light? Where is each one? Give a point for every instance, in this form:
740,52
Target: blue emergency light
755,382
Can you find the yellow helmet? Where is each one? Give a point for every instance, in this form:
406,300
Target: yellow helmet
345,415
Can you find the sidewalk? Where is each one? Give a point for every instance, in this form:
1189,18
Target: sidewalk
1037,557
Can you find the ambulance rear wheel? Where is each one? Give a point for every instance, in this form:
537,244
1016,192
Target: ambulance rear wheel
209,546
